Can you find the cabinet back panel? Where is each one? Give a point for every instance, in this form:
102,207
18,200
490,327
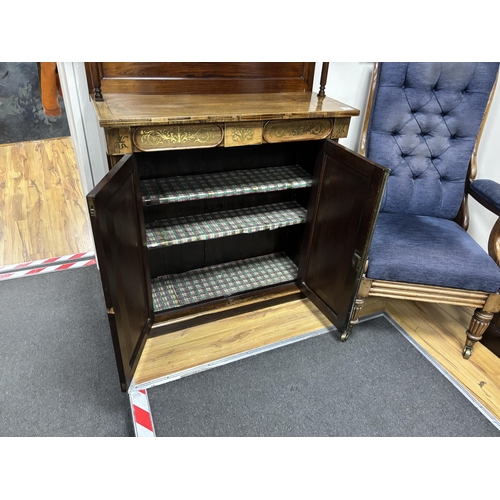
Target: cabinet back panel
220,159
172,210
182,258
198,254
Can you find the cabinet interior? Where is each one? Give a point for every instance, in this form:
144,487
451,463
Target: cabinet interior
223,221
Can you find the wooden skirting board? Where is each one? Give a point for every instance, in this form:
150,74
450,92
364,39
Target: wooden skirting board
438,329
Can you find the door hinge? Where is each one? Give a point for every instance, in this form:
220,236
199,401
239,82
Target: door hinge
91,209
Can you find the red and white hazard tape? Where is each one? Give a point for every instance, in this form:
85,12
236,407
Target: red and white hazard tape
141,413
42,266
46,262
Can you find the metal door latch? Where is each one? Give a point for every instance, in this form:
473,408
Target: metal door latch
356,260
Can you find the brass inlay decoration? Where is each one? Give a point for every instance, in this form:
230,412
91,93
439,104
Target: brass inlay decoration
243,134
340,128
177,137
118,141
297,130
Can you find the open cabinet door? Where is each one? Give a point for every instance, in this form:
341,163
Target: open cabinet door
347,191
116,215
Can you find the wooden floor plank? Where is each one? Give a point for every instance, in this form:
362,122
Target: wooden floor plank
43,208
37,204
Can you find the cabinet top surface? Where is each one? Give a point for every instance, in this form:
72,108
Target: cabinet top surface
125,110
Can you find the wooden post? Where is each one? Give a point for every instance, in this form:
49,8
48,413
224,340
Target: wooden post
93,70
322,83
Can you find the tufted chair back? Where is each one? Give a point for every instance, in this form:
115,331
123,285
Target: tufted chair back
423,126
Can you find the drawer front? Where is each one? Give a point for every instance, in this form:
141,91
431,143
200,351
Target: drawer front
297,130
178,137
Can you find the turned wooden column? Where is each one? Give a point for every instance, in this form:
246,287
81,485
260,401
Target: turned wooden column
322,83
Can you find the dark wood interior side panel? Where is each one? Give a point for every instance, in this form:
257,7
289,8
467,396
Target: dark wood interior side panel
345,200
205,77
118,228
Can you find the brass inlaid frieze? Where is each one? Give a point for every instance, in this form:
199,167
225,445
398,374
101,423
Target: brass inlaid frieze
297,130
177,137
243,134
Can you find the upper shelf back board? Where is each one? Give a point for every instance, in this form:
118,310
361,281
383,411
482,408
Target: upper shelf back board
198,78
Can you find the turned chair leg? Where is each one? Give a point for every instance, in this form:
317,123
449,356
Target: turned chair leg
478,325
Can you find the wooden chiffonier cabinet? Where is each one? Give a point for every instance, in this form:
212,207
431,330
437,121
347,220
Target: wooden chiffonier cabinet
227,187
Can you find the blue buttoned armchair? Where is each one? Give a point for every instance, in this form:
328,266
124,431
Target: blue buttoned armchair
424,122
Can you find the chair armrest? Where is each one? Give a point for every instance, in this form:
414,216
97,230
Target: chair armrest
486,192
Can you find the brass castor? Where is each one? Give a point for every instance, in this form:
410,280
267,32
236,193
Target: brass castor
467,352
344,336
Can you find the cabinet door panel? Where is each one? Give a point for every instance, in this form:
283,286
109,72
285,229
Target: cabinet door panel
115,207
347,190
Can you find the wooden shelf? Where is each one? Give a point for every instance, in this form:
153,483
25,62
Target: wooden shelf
180,230
232,183
222,280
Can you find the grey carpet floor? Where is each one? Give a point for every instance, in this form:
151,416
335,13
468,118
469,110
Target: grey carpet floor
58,374
375,384
58,378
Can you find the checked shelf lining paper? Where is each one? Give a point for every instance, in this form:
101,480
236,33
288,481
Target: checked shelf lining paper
222,280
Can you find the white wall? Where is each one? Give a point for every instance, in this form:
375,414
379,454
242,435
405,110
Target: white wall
349,82
482,220
87,135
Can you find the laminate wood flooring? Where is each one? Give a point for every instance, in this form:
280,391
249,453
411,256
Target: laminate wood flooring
43,213
438,329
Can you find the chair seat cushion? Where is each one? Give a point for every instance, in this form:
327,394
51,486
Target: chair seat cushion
430,251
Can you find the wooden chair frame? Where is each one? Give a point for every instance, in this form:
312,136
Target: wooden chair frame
485,304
